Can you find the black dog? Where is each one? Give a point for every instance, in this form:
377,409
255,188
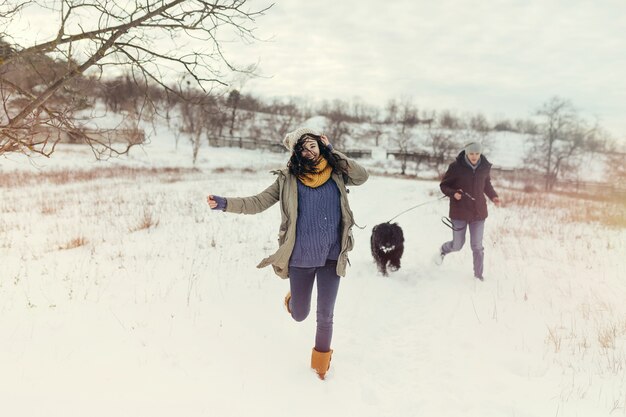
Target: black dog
387,246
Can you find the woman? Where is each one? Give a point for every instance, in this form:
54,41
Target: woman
466,182
315,232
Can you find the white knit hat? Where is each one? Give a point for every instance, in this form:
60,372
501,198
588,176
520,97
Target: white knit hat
291,138
473,147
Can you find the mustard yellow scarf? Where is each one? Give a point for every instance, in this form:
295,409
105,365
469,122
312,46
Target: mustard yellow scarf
321,175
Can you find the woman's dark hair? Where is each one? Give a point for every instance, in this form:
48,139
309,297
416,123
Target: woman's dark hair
300,166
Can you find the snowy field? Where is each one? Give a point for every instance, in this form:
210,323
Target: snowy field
122,294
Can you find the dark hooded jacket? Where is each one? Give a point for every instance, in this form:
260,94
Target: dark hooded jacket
461,176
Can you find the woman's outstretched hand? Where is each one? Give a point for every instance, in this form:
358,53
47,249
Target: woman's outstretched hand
212,203
216,202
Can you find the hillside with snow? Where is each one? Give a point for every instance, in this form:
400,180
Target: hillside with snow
122,294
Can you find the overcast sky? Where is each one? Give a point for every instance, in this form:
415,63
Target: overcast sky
501,57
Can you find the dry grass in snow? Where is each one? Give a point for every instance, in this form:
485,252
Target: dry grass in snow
165,290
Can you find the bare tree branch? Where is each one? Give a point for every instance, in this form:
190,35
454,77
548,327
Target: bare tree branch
161,40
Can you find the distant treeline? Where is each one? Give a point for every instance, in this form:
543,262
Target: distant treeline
124,92
559,137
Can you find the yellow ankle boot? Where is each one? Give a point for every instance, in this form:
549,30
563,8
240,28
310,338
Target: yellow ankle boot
287,299
320,362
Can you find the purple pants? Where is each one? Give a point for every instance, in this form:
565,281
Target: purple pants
301,283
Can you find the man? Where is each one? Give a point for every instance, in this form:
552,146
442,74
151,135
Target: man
466,182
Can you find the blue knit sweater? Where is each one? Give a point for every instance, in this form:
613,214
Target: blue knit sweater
318,225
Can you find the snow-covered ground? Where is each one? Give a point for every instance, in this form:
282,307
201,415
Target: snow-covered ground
122,294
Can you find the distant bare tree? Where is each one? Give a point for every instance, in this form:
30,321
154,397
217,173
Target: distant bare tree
376,130
404,144
407,115
243,110
233,103
128,94
562,137
444,147
362,112
249,126
337,127
391,110
201,113
504,125
615,169
529,127
152,39
518,125
217,118
403,114
192,111
284,117
448,120
479,123
428,117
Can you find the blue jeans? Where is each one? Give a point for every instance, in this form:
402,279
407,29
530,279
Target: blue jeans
301,283
476,229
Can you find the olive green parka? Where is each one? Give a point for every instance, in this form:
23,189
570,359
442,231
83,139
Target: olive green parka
285,190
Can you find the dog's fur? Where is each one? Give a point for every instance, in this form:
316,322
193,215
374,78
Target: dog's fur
387,244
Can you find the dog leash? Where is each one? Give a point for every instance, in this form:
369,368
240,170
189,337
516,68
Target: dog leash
448,222
416,206
467,195
433,201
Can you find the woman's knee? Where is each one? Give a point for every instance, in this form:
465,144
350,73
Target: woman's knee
299,313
